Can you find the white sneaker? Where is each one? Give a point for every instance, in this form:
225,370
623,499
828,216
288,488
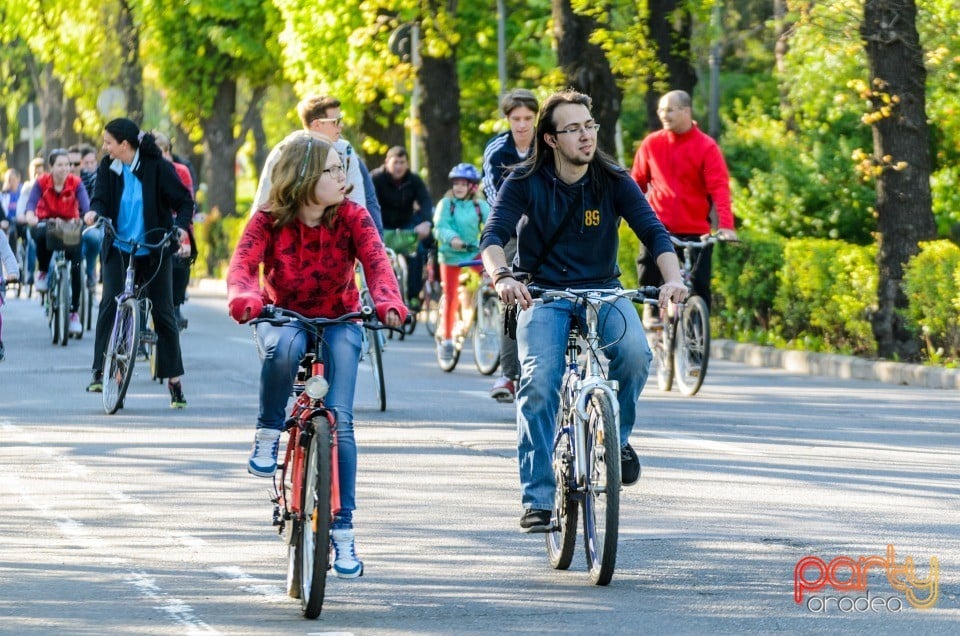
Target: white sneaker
346,565
41,284
447,350
75,327
263,457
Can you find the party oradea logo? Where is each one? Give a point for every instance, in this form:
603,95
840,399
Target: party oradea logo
851,578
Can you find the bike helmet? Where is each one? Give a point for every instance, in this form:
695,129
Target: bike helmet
465,171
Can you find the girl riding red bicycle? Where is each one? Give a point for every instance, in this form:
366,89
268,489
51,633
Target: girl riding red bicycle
307,237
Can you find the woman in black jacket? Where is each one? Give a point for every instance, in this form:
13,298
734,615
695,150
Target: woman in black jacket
137,190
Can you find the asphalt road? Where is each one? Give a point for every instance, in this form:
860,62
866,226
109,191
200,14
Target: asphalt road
146,522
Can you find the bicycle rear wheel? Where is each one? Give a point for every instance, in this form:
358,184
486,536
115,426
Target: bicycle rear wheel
692,349
486,332
663,344
50,305
314,543
562,540
445,364
430,306
120,356
601,503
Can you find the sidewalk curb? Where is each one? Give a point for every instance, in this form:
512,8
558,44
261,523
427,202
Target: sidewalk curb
836,366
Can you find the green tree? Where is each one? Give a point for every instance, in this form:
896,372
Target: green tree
205,52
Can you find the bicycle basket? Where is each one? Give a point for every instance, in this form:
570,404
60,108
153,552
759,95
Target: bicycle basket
62,233
400,241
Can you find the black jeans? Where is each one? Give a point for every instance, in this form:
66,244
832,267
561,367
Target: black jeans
73,254
158,270
649,274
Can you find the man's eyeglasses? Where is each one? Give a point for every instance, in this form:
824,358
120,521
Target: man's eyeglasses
336,121
334,171
588,128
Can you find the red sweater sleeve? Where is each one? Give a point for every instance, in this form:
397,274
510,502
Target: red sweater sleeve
640,172
717,182
243,274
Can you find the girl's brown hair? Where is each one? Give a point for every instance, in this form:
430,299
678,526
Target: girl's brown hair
294,178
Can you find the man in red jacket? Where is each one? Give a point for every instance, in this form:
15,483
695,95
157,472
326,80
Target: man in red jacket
684,176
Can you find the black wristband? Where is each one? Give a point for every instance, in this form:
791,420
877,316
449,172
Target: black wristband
502,272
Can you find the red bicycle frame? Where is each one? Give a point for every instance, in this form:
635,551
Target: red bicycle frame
304,410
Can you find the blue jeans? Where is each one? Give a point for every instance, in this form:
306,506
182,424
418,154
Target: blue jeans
541,341
282,348
92,240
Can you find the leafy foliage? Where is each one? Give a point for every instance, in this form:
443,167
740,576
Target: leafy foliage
932,283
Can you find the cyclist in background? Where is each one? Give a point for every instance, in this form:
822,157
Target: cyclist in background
507,149
37,167
684,176
83,163
405,205
58,194
307,238
137,189
565,203
457,222
8,202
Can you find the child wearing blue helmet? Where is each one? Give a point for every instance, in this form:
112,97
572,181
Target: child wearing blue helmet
457,221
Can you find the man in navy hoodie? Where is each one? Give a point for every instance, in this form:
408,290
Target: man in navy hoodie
568,180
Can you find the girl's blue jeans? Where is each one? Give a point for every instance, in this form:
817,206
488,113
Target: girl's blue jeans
281,348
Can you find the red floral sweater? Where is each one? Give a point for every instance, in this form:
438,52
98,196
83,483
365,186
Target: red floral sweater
310,269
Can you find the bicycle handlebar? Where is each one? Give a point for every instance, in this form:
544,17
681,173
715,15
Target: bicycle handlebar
704,241
639,295
280,316
107,225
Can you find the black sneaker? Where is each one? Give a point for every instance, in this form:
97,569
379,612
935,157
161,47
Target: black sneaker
629,466
96,383
535,520
177,401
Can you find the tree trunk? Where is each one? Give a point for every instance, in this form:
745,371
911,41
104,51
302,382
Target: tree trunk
440,119
900,134
390,134
219,151
50,99
131,72
587,70
780,49
670,25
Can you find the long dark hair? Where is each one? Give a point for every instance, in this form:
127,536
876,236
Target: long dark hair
123,129
602,169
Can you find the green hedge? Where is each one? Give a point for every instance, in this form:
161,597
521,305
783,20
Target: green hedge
827,290
932,285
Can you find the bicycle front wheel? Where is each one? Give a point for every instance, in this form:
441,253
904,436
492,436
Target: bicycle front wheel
692,350
63,306
486,332
601,504
120,356
314,539
562,539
